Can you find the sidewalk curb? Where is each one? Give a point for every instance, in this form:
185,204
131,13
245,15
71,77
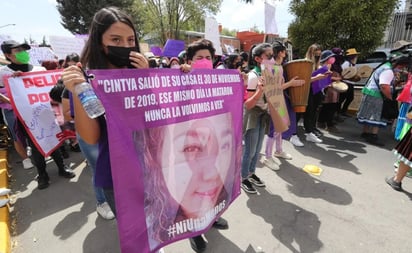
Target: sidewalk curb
4,211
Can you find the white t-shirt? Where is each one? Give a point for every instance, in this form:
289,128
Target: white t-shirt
386,77
252,84
6,71
346,64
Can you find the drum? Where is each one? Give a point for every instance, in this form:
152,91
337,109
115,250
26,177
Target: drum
340,86
349,73
365,71
299,95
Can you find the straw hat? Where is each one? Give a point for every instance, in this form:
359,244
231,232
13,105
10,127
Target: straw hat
400,44
352,51
365,71
349,72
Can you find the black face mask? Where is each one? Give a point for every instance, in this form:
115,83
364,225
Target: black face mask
317,58
119,56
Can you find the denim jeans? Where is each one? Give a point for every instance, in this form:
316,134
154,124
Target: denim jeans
91,152
253,139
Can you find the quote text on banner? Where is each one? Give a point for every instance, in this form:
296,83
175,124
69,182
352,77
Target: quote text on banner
175,148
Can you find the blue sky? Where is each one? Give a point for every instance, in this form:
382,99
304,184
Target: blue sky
38,18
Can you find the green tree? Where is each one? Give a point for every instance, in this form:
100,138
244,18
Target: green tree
166,18
229,32
77,14
342,23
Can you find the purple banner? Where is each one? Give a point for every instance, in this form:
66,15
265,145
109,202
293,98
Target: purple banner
157,51
175,149
318,85
172,48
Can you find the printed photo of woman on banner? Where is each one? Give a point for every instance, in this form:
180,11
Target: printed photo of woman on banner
188,175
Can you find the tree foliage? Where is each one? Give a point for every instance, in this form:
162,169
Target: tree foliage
77,14
166,18
229,32
343,23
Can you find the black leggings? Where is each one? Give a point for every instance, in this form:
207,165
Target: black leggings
310,115
346,98
37,158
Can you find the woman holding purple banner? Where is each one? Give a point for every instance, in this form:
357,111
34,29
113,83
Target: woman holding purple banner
187,174
112,44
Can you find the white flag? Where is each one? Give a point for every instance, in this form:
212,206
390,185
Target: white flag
270,21
212,34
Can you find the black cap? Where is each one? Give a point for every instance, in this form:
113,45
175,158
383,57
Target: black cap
8,45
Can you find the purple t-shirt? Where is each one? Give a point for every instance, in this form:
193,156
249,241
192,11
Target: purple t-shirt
103,175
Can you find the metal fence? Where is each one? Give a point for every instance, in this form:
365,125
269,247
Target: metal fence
400,28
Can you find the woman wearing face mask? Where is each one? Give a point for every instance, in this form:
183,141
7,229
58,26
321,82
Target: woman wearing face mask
112,44
330,103
314,100
275,138
199,55
174,63
255,117
19,57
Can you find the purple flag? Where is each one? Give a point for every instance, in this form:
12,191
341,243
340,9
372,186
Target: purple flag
172,48
175,150
157,51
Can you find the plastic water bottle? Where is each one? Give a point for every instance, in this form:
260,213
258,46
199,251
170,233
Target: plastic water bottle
91,104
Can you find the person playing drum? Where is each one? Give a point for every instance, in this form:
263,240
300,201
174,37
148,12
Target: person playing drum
330,102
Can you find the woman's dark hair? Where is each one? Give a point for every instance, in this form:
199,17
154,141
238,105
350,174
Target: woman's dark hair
93,56
244,56
71,57
57,90
257,50
199,45
278,47
230,59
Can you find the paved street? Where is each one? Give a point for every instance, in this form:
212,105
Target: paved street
348,208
